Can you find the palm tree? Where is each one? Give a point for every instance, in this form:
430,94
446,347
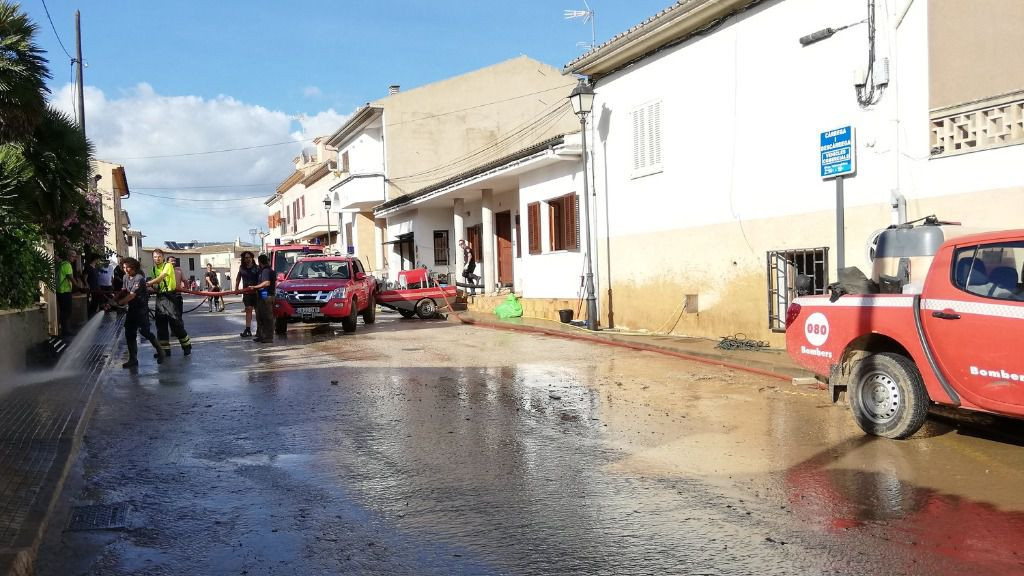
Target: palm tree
44,166
23,75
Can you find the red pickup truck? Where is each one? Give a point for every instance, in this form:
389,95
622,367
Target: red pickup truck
323,289
956,339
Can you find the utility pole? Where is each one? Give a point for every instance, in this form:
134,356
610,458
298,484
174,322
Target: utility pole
80,81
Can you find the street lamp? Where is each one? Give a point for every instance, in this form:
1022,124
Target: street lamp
582,99
327,209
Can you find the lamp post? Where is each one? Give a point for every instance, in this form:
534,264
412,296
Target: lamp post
582,99
327,210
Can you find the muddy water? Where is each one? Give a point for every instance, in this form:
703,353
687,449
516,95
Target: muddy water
430,448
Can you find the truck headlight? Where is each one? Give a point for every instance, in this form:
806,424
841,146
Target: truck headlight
281,295
337,293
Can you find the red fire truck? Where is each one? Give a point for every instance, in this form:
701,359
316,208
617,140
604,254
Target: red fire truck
956,339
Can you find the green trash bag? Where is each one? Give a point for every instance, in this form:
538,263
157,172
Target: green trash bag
510,308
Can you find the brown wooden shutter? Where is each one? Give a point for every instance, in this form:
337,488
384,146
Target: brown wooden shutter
572,223
533,223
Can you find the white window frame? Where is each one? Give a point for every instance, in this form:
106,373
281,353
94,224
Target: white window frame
646,127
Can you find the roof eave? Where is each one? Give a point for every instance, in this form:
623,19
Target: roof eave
355,124
671,25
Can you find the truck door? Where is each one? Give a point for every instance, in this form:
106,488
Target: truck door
974,321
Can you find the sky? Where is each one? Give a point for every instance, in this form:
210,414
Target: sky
206,103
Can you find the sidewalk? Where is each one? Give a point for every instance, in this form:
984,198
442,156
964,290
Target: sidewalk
773,362
42,421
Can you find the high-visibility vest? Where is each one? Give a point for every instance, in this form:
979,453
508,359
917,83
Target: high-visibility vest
169,283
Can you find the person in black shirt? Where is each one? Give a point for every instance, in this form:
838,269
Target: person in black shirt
265,305
248,275
136,320
212,284
92,281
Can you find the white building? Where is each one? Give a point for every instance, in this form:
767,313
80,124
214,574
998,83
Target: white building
705,139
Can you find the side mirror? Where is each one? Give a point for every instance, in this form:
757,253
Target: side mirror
360,275
280,275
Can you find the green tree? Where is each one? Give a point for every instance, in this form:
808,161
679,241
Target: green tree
44,169
23,75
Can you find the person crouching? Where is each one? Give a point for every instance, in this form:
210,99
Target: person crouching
136,297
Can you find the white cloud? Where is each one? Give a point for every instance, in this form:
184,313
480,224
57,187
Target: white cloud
312,92
139,124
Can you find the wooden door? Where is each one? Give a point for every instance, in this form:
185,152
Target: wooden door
503,231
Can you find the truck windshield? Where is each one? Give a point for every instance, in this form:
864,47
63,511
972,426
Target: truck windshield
283,259
315,269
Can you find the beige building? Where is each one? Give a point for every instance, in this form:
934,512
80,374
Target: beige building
408,141
112,185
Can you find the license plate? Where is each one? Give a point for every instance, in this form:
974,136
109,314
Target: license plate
309,311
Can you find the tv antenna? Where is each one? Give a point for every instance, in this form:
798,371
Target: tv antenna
588,17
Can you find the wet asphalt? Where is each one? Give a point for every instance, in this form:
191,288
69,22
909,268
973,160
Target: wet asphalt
431,447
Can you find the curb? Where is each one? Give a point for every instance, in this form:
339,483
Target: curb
19,560
714,361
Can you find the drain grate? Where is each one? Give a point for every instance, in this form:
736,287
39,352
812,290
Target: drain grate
99,517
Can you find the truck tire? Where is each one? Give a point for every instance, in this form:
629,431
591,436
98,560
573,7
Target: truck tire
281,325
426,308
370,314
887,396
348,323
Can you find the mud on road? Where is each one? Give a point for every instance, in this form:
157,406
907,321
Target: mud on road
422,447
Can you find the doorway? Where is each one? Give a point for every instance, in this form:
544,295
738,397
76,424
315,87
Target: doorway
503,232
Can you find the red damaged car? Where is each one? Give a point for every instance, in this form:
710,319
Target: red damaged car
324,289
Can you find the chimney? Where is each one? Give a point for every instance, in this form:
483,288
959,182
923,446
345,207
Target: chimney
393,89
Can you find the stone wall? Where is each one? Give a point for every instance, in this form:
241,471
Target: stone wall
19,330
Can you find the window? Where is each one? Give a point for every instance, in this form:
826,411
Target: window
128,240
302,204
783,268
563,223
533,223
440,247
646,139
991,270
344,161
191,263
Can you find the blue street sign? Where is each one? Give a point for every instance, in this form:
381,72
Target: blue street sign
838,155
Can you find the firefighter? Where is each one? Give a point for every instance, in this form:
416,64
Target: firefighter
136,298
168,305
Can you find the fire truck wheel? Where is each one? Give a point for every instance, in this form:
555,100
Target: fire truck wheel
348,323
370,314
426,308
280,325
887,396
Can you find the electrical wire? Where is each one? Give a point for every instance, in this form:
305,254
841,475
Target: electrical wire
59,41
183,154
497,144
263,197
492,150
204,187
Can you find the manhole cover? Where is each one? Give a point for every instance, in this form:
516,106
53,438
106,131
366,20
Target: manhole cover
99,517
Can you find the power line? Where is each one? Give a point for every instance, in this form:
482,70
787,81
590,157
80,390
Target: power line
218,151
47,10
263,197
204,187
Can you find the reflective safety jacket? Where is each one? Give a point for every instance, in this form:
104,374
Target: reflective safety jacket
169,283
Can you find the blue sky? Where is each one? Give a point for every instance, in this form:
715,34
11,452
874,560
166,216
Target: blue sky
178,78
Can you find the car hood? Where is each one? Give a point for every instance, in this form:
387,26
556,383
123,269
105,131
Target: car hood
312,284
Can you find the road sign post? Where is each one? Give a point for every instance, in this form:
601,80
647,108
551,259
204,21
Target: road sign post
838,160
